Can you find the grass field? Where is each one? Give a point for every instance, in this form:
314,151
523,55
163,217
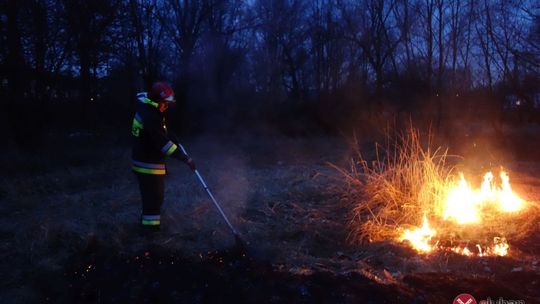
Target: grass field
70,211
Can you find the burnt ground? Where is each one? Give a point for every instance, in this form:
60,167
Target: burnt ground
69,229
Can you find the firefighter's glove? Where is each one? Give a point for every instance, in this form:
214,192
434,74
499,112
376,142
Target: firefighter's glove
191,164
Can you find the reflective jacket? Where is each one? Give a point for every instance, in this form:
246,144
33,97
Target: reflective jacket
151,143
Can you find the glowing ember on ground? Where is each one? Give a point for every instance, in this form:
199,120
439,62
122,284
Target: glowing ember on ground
467,207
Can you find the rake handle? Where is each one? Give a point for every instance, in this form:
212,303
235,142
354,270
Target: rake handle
211,195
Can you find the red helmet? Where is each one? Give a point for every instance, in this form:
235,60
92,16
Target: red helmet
161,92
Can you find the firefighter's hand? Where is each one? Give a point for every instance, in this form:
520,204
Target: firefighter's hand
191,164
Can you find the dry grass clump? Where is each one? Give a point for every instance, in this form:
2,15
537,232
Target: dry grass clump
406,179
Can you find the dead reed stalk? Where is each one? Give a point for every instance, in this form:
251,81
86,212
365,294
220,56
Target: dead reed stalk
406,179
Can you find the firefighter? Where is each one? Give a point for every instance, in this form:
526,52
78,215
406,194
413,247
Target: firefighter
151,145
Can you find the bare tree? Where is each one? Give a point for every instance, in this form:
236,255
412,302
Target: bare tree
45,44
89,23
405,15
369,26
283,37
528,48
327,47
224,44
183,21
149,39
281,48
485,42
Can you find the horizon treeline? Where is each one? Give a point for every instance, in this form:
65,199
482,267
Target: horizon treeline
289,57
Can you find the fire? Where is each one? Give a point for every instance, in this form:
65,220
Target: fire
462,204
420,237
508,200
501,247
465,206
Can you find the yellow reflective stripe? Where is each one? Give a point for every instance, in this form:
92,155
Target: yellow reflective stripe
148,171
166,146
171,150
151,222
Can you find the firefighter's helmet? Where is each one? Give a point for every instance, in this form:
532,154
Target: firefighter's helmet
161,92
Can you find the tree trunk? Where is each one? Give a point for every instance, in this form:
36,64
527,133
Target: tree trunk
455,34
440,29
406,29
40,49
429,21
15,62
440,71
85,78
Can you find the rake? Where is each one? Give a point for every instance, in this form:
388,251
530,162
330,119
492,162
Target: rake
240,244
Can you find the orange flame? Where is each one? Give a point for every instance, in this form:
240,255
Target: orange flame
464,205
508,200
420,237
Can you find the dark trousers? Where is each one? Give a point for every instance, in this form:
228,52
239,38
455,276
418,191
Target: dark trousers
152,189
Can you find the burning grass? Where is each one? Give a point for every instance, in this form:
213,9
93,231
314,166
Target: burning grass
411,192
402,179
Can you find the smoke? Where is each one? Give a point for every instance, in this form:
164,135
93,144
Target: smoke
233,184
224,167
